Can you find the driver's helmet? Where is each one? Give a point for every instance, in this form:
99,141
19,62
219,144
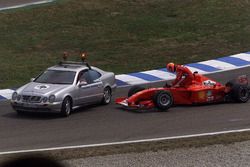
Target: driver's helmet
171,67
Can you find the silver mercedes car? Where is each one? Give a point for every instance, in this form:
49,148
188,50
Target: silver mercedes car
64,87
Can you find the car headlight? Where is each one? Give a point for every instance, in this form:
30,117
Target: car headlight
45,99
19,97
52,98
14,96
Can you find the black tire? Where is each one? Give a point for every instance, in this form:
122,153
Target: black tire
163,100
230,83
229,96
19,112
107,94
66,107
240,93
134,89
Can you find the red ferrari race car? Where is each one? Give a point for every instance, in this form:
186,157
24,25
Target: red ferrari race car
203,90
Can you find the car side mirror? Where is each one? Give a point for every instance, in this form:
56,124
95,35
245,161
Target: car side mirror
32,79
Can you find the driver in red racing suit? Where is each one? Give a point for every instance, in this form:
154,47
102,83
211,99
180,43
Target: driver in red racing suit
184,76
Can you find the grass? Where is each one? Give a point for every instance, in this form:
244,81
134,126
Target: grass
120,36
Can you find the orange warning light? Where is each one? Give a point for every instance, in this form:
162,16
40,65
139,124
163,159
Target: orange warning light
83,56
65,56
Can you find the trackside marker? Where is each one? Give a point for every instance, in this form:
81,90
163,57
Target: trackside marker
218,64
26,4
6,93
126,142
234,61
204,67
131,80
163,75
243,56
193,69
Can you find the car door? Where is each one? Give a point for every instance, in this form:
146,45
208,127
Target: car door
96,83
90,87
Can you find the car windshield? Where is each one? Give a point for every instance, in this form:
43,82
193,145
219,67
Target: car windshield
56,77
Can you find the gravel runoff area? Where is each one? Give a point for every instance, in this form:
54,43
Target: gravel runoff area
236,155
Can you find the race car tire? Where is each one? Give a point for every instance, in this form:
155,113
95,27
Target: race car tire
230,83
107,94
66,107
167,85
134,89
229,95
163,100
240,93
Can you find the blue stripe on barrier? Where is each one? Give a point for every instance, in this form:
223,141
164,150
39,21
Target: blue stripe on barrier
165,70
146,77
247,52
121,83
234,61
2,98
203,67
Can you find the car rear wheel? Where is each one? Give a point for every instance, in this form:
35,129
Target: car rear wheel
107,94
163,100
66,107
134,89
240,93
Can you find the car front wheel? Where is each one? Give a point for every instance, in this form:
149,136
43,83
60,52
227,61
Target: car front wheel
66,107
163,100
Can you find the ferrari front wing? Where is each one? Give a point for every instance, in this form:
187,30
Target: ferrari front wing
125,102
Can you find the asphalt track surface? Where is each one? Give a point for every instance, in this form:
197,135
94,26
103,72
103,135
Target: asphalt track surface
103,124
9,3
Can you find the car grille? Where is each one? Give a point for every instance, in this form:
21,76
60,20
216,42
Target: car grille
31,99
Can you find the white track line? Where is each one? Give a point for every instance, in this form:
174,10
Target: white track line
26,4
125,142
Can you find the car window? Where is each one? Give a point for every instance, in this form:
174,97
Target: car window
85,77
56,77
94,74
